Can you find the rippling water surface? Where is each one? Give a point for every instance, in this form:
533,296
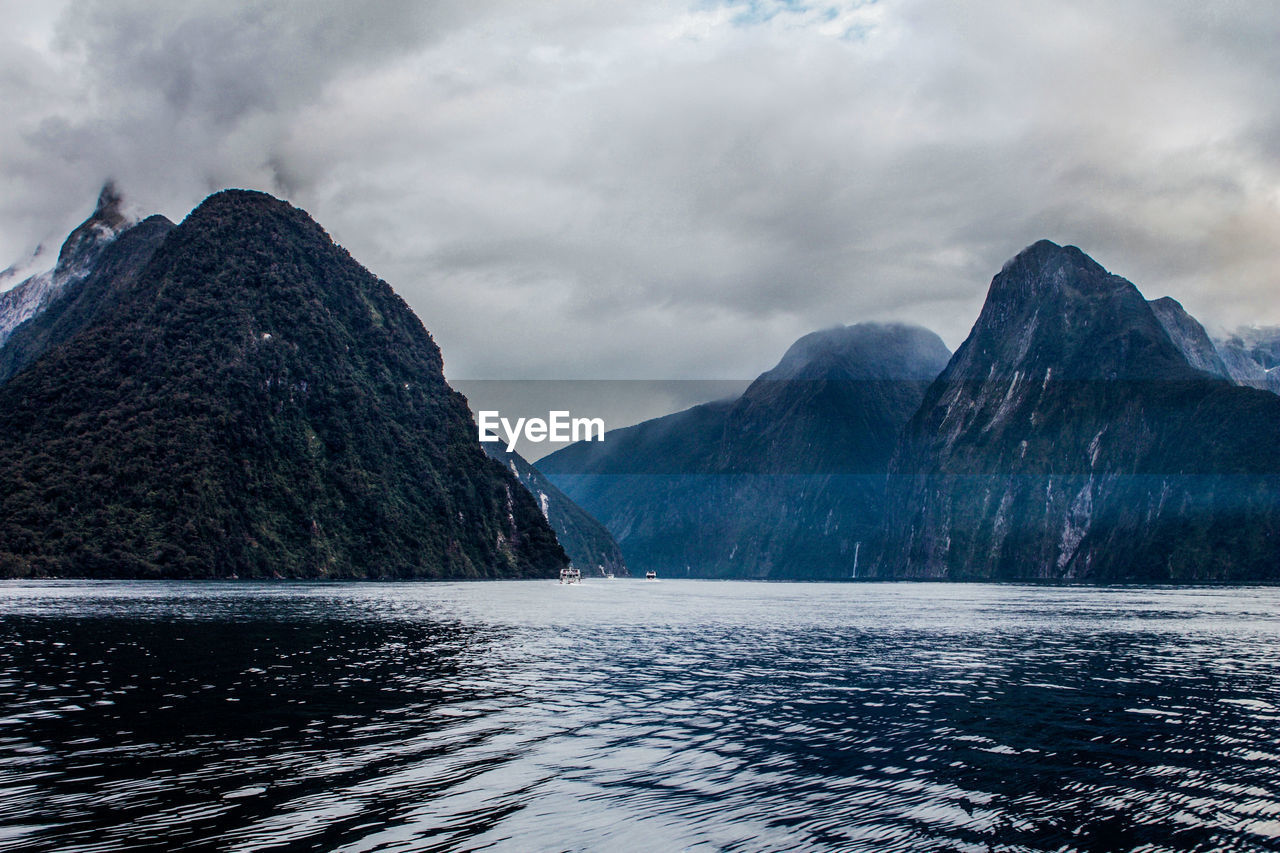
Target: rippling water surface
625,715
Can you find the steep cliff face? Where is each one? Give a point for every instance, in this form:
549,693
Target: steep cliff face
253,402
786,481
588,543
1070,437
1189,336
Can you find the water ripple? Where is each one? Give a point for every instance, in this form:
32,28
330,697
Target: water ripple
623,716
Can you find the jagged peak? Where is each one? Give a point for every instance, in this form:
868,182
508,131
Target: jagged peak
1189,336
1170,311
109,199
1055,308
1045,273
84,243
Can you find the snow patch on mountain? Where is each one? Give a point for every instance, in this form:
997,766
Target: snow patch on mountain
34,283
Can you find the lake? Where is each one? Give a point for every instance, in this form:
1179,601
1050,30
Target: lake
634,716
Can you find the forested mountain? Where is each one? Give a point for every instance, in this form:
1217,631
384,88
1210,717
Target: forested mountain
249,401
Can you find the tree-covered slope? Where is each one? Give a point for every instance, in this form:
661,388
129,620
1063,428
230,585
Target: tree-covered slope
253,402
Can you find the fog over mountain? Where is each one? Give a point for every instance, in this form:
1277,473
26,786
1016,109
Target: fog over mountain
1251,355
577,190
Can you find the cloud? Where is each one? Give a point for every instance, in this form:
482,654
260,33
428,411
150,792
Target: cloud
674,189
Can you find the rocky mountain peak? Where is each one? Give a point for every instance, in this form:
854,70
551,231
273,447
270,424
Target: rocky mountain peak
1046,261
109,201
1054,309
40,286
83,246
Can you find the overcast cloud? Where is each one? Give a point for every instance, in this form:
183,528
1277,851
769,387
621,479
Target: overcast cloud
675,190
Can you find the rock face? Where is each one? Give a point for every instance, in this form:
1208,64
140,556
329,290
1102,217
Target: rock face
588,543
1189,337
1252,357
1071,438
787,481
252,402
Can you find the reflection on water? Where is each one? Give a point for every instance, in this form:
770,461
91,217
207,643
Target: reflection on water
621,715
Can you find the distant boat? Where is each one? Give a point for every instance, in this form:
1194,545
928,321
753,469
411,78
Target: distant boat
651,576
570,575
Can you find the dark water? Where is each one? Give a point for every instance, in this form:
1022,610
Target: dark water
620,715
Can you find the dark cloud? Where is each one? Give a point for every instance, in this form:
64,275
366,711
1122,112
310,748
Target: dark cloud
578,190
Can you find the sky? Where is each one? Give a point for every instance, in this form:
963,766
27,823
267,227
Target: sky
674,190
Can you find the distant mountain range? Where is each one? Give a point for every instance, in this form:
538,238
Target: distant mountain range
1079,433
1252,356
236,396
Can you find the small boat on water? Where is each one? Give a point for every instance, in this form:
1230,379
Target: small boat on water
570,575
651,576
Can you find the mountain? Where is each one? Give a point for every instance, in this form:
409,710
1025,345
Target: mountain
1070,437
34,291
588,544
1252,356
785,481
1189,336
252,402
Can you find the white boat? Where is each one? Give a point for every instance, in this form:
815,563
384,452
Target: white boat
651,576
570,575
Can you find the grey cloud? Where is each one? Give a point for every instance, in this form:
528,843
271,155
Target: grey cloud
578,189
